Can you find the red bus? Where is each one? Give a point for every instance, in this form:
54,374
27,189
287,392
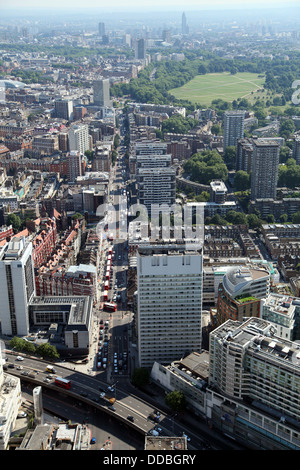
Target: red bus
107,276
110,250
105,296
110,307
106,285
63,383
109,258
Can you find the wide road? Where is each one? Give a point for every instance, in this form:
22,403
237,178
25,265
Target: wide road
86,388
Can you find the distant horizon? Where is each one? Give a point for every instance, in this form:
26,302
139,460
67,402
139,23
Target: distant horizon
34,6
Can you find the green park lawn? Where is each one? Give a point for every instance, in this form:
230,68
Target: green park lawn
205,88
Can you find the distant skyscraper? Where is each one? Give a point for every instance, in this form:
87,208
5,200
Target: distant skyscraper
102,93
101,29
233,127
265,161
184,26
140,49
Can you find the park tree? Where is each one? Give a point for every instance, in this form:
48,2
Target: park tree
216,129
48,351
242,180
296,217
254,221
283,218
230,156
176,401
15,221
287,128
20,344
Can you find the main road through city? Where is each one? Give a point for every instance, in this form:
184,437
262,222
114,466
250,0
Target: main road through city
86,386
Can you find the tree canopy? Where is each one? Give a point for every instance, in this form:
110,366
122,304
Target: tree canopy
206,166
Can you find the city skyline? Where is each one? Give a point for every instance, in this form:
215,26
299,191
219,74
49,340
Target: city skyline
153,5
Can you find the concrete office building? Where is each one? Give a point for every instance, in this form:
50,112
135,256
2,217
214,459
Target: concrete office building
102,92
218,191
240,292
233,128
169,302
156,186
265,161
79,138
17,286
244,151
284,312
74,165
184,25
64,109
254,380
10,402
101,29
140,49
69,321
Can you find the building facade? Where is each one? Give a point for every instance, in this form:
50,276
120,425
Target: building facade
169,282
18,286
265,161
79,138
102,93
233,128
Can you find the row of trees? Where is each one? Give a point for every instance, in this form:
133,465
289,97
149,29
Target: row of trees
44,350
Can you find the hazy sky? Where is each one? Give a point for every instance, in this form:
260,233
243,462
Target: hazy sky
181,5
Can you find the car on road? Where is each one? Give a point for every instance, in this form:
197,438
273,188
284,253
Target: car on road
21,414
20,358
111,407
155,416
130,418
186,436
19,367
93,440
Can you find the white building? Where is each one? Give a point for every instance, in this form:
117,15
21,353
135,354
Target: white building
79,138
17,286
169,281
10,402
